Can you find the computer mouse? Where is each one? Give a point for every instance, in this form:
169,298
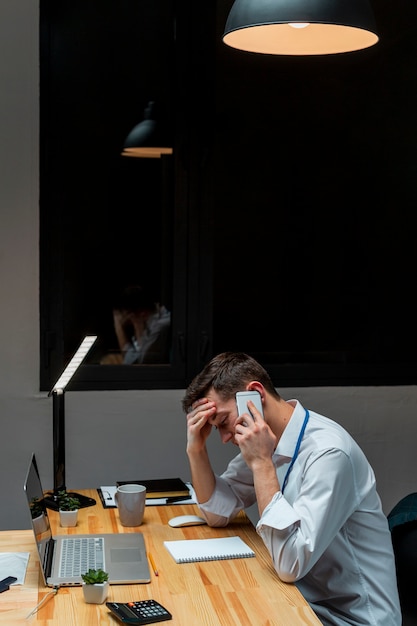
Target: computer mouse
186,520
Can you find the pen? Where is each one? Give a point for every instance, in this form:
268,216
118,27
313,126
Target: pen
155,571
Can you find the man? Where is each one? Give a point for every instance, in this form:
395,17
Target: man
142,327
320,514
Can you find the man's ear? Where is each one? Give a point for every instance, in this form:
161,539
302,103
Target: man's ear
255,385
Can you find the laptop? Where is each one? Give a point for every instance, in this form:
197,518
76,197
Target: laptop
64,558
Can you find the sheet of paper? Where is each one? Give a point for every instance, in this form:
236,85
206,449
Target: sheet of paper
14,564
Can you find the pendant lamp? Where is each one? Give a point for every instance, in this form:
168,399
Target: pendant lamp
300,27
146,139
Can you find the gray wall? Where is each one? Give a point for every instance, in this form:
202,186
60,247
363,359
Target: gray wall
119,435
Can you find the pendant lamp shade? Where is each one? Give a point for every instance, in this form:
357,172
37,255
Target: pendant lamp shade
146,139
300,27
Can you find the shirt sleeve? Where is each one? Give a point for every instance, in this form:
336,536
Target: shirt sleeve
233,492
297,533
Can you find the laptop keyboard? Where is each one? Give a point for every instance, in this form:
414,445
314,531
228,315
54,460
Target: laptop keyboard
78,555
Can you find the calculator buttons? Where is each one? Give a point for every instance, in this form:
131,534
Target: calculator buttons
139,612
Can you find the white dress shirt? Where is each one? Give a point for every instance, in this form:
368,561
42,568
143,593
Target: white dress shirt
327,533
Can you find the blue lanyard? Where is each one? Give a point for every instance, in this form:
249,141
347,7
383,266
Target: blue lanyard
297,447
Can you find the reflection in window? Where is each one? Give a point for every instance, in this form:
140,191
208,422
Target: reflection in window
142,328
129,303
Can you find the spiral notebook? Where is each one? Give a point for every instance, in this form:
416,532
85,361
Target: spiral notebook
192,550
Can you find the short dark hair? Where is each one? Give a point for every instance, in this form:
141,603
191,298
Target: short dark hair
227,373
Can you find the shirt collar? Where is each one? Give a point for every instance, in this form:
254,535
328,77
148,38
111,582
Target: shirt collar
289,437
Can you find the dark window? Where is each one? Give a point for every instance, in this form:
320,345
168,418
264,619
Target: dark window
283,225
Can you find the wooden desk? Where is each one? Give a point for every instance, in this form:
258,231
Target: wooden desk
236,592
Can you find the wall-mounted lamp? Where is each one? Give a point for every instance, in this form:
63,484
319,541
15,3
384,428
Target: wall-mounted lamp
300,27
146,139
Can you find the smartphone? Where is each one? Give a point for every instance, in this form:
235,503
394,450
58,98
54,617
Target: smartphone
242,398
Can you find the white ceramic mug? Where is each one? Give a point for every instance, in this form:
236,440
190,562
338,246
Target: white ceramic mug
131,501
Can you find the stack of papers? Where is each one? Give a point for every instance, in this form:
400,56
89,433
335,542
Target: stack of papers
153,498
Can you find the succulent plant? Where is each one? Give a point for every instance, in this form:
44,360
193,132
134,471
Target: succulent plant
95,576
66,502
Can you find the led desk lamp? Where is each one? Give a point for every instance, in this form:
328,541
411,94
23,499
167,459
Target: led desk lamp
57,393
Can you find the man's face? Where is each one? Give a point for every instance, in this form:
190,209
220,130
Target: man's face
224,420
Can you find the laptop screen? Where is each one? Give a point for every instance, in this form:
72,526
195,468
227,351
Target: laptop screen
39,516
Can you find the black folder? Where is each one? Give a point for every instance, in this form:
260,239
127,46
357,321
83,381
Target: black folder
160,487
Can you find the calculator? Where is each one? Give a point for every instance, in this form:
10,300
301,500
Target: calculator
139,612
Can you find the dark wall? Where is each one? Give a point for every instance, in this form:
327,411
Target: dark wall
293,197
315,197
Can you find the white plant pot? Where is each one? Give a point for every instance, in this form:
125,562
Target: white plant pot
96,594
68,518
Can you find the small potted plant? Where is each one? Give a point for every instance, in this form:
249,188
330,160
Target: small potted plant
95,586
68,509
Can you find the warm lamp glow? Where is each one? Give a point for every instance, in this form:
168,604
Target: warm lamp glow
314,39
146,140
146,152
300,27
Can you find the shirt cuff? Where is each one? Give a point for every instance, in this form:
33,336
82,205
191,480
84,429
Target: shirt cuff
278,514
